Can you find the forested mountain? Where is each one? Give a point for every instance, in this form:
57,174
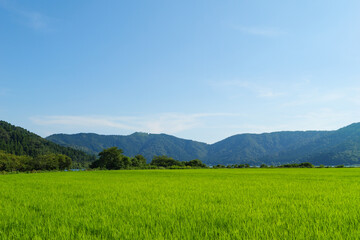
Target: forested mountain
336,147
318,147
252,148
18,141
148,145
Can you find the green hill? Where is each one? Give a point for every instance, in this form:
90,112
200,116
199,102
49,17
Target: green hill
318,147
149,145
253,148
19,141
334,148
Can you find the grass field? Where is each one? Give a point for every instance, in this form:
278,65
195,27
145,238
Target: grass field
182,204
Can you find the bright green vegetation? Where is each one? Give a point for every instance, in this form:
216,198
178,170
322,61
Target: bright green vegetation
182,204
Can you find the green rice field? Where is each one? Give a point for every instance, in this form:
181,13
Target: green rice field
182,204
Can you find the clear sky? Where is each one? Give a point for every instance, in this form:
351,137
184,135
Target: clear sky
201,70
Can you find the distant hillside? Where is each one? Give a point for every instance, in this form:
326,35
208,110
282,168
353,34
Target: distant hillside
252,148
336,147
319,147
149,145
19,141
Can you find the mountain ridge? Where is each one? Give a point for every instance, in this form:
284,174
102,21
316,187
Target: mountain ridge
19,141
320,147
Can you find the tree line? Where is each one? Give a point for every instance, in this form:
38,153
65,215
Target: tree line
291,165
114,159
10,162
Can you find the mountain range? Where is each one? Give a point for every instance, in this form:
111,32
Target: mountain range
318,147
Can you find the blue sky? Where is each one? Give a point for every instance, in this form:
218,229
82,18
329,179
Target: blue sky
201,70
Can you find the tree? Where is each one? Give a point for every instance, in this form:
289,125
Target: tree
263,165
64,161
110,158
138,161
125,162
306,165
219,166
297,165
45,162
195,163
165,161
10,162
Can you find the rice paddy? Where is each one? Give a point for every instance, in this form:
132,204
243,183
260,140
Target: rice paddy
182,204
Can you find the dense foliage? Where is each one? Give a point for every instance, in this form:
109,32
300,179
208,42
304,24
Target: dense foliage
318,147
18,141
296,165
168,162
11,162
232,166
114,159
